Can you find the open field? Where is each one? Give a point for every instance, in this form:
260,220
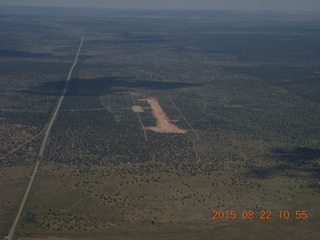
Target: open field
241,87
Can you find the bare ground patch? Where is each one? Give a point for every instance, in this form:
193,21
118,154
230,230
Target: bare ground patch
137,109
164,124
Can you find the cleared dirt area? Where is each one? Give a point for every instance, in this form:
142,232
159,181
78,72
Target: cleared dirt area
137,109
164,124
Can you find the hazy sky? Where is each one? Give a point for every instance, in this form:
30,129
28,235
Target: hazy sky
291,5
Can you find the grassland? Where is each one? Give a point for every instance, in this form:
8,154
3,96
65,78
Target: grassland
244,85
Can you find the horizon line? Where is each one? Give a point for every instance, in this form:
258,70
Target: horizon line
164,9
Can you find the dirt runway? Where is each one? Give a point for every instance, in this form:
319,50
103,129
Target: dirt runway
164,124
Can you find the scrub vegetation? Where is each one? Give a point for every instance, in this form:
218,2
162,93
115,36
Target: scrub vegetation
243,86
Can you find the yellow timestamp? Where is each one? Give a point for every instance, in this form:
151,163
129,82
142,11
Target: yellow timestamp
264,214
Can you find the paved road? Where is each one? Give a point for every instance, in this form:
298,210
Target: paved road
42,148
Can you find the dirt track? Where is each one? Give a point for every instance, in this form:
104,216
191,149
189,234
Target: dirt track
163,122
42,148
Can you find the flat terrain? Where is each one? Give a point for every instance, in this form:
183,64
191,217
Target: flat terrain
241,87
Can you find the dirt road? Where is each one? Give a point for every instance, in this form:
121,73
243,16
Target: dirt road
42,148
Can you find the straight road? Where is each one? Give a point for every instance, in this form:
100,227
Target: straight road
43,147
